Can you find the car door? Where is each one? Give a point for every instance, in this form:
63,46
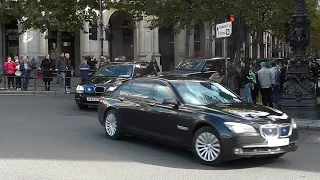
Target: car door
167,121
139,95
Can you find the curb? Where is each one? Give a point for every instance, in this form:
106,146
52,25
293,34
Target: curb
34,93
308,124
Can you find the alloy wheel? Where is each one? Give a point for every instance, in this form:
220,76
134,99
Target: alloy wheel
207,146
111,124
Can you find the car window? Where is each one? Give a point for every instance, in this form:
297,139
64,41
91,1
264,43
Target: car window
124,91
115,70
161,92
214,65
204,93
141,89
142,70
191,65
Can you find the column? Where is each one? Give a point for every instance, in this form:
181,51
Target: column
43,45
250,46
156,53
23,44
85,40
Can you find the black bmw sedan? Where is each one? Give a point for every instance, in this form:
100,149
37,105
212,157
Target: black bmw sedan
202,116
107,78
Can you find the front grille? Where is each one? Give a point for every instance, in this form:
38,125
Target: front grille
275,130
100,89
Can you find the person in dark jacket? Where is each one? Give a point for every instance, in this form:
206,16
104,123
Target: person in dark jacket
25,68
68,71
247,82
92,62
61,68
46,67
84,71
232,79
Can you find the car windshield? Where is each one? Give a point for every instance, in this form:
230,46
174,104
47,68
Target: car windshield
191,65
204,93
115,70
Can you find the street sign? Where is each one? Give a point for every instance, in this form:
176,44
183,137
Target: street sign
224,30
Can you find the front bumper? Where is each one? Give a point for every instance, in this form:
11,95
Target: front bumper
81,99
251,146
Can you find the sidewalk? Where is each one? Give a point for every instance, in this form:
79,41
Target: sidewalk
308,124
39,87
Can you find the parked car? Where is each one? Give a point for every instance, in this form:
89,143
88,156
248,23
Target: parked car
199,115
107,78
198,67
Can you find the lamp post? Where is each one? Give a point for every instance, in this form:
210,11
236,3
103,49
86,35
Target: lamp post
101,28
299,88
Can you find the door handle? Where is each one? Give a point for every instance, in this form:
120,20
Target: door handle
152,104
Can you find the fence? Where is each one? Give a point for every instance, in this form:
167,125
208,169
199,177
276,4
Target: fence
36,81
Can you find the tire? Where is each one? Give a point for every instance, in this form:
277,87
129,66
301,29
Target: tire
82,106
214,156
112,125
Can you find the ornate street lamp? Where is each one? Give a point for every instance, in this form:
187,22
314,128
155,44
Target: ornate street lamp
299,88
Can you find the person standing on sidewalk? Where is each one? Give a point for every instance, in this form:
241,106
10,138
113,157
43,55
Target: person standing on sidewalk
266,81
84,71
18,74
247,82
61,68
25,68
69,70
46,66
9,67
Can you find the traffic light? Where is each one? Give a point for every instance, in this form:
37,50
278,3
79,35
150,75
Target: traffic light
231,18
93,31
109,35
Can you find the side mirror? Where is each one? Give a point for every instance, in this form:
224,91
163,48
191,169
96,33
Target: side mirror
171,101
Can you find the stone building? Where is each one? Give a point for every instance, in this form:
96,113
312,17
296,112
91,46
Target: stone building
136,43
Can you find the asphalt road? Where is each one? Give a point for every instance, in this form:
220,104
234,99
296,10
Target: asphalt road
47,137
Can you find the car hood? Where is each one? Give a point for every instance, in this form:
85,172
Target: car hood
177,73
105,81
249,112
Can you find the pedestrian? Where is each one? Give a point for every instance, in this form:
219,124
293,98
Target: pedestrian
18,74
84,71
69,71
61,68
25,68
92,61
276,73
9,67
237,65
256,85
232,78
266,80
216,76
46,67
247,81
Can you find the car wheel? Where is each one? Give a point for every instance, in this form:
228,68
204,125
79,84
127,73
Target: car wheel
207,147
112,125
82,106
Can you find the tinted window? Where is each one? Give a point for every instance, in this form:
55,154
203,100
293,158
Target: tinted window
115,70
142,70
191,64
141,89
124,91
214,65
161,92
203,93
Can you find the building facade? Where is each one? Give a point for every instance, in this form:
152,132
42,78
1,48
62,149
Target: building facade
139,43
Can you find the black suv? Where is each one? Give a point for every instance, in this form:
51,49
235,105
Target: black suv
108,78
198,67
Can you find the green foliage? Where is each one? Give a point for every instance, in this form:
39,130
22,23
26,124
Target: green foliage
9,10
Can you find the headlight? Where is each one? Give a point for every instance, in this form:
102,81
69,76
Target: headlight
80,89
111,88
293,124
240,128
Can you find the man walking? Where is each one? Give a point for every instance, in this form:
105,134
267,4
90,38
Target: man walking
61,68
247,82
266,80
275,70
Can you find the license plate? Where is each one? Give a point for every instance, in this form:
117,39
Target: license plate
92,99
278,142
